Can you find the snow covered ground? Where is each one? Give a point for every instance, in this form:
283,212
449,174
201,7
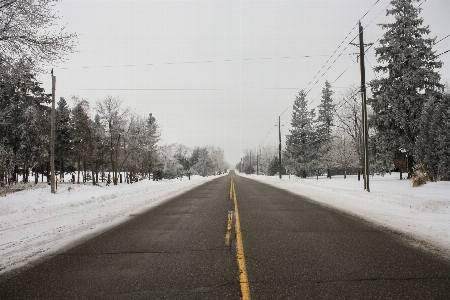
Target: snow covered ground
422,214
35,223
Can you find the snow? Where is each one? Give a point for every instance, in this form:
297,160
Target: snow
420,214
35,223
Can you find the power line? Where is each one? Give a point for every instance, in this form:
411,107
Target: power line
192,62
156,89
443,52
442,39
329,59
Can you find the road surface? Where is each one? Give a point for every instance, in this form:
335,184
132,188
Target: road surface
235,238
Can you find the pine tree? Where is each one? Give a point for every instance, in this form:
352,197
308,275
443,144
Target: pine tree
63,138
274,166
83,136
398,99
23,124
433,147
324,127
301,143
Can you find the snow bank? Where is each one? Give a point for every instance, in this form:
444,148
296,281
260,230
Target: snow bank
421,213
34,222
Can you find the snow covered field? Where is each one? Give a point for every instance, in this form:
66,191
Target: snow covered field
35,223
420,213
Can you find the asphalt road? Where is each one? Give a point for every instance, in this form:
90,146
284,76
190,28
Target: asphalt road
186,249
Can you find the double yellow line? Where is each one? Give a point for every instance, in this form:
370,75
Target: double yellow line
243,278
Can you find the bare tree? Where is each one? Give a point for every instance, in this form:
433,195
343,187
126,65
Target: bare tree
114,118
26,32
350,121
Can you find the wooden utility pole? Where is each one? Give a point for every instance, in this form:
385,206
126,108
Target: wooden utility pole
257,163
52,138
364,109
279,144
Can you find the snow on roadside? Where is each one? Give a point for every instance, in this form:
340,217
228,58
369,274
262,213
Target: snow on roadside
422,213
35,223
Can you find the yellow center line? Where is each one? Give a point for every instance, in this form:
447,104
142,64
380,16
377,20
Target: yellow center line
230,223
243,278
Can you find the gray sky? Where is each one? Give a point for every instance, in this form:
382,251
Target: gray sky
221,72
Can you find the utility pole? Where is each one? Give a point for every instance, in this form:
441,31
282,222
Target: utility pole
257,163
279,144
52,138
364,109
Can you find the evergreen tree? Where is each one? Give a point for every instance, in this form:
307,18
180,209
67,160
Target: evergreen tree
63,139
434,139
152,138
324,127
274,166
301,143
326,112
398,99
24,122
101,143
83,137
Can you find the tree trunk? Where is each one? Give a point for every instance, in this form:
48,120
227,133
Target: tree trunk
84,171
27,171
61,170
93,174
409,165
48,173
78,171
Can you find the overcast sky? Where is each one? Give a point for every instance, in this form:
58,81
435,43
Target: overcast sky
221,72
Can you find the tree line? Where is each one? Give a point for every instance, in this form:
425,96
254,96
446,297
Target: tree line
408,113
90,141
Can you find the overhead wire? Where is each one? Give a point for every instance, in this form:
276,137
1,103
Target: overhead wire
339,46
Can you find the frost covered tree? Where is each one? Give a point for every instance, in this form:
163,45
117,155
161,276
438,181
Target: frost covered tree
63,134
169,163
265,157
24,119
302,142
203,164
344,151
410,64
324,128
182,154
114,118
350,120
217,156
83,128
27,32
149,147
433,142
